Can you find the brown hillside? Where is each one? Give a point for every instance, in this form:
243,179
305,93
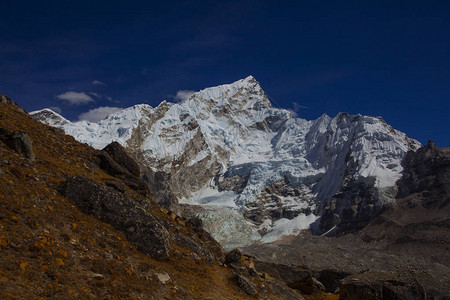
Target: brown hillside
49,248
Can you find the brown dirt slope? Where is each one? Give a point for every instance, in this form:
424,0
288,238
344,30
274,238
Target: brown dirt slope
50,249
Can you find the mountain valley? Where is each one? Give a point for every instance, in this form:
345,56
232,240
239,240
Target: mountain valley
153,202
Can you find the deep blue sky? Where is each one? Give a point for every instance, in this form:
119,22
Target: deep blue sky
387,58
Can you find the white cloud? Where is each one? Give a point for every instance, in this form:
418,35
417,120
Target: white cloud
97,82
294,114
95,94
183,95
99,113
56,109
296,108
75,98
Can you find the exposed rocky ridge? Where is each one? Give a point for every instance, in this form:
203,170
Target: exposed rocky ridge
228,147
51,248
401,254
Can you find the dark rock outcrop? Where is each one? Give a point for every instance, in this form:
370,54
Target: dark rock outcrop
427,171
130,215
119,155
246,285
115,161
6,100
330,278
383,285
295,277
159,183
234,256
351,208
19,142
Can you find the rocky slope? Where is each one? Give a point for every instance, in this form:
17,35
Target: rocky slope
251,171
77,223
402,254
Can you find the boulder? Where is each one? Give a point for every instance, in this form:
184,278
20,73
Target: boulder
234,256
246,285
382,285
295,277
113,168
130,215
19,142
120,155
6,100
330,278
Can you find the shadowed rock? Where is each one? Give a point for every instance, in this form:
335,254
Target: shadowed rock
127,214
19,142
234,256
382,285
119,155
246,285
295,277
6,100
120,168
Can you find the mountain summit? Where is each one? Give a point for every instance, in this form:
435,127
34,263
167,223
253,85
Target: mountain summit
252,172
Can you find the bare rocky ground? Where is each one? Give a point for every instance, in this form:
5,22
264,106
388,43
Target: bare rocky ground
402,254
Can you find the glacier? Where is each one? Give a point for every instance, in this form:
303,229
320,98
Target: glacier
253,172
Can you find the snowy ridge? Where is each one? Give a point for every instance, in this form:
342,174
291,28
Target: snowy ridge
228,147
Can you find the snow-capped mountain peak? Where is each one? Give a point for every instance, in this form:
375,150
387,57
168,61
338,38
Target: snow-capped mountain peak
49,117
250,168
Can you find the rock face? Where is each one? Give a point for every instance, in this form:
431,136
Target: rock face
246,285
382,285
227,147
427,172
19,142
401,254
124,213
119,154
6,100
295,277
49,117
115,161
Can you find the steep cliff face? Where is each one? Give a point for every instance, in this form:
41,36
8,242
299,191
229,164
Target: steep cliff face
227,147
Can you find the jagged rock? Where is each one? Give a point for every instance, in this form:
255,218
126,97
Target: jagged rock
427,169
6,100
351,208
295,277
124,213
118,185
120,155
113,168
194,246
48,116
383,285
195,223
246,285
238,267
330,278
253,272
19,142
234,256
159,183
234,183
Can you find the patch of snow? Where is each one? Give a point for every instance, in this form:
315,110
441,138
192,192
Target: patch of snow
284,227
